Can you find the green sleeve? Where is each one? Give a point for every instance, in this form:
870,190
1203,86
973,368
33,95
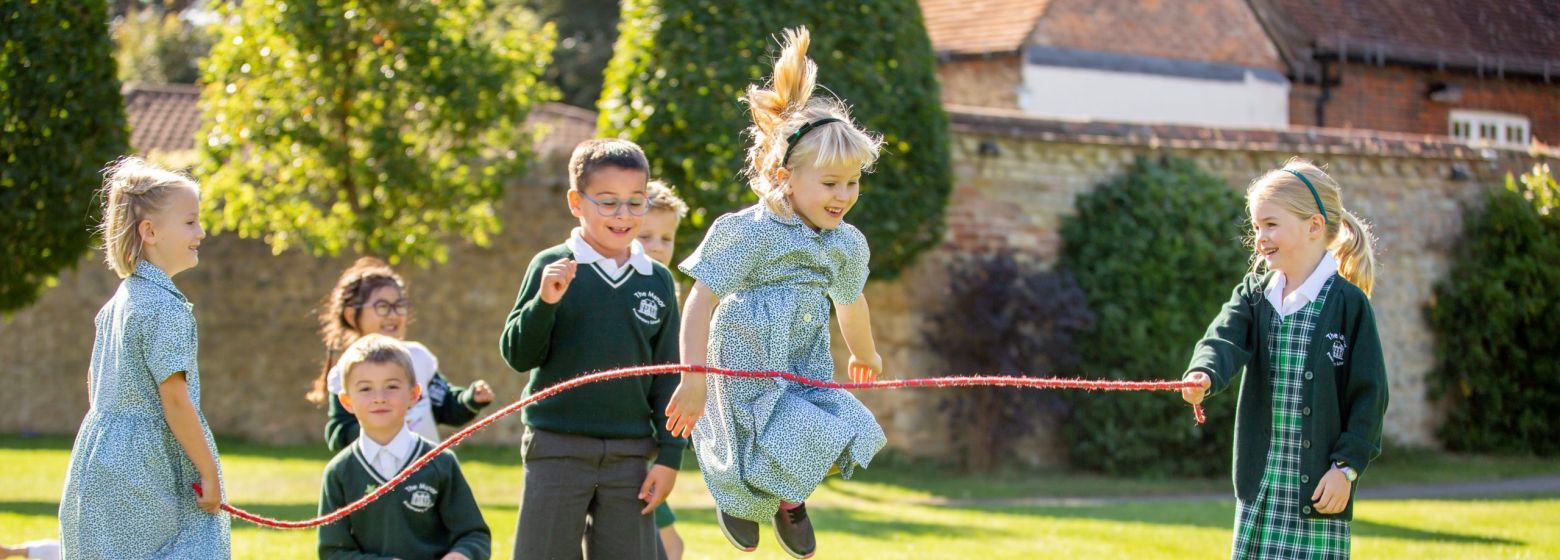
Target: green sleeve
1364,396
460,514
667,351
335,539
456,408
528,329
341,427
1229,342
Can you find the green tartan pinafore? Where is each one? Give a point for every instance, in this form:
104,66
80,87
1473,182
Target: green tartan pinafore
1272,526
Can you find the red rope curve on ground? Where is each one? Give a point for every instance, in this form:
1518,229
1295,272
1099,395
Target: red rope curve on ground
965,381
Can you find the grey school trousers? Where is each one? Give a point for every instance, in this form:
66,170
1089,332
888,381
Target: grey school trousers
581,498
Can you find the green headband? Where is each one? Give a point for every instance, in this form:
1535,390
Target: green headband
790,143
1318,197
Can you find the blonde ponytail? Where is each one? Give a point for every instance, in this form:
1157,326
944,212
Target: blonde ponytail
784,107
1354,249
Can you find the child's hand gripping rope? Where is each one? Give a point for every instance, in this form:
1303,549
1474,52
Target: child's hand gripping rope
960,381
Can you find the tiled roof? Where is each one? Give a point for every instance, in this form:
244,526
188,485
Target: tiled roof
981,26
162,117
165,117
1017,124
1503,36
1218,31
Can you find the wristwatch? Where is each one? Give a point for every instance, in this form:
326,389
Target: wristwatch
1349,473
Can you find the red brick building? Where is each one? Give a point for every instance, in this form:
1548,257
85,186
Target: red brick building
1477,70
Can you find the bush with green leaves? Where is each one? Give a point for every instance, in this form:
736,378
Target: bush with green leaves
61,121
384,127
1496,317
159,46
1006,316
1157,250
680,67
586,31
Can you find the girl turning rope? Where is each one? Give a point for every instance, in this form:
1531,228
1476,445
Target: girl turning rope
1309,418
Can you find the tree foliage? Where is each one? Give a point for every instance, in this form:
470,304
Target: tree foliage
61,120
680,66
381,127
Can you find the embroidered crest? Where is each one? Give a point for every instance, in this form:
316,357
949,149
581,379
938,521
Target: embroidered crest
422,497
649,310
1339,348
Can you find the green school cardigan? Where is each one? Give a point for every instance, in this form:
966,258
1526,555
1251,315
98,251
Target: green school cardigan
1345,385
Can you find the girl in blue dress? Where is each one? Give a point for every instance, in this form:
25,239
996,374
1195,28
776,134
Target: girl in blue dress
144,441
765,279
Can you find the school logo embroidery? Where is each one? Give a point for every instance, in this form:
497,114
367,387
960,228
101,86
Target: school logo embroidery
649,310
1339,347
422,497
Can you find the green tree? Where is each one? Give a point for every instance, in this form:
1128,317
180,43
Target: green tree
158,46
1157,250
586,31
61,120
680,66
1495,316
380,127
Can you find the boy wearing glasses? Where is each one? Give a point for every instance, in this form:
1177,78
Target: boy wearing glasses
596,302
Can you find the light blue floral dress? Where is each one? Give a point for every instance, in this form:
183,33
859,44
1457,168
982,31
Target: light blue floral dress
766,440
127,490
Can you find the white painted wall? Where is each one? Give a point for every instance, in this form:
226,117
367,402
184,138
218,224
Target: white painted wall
1058,91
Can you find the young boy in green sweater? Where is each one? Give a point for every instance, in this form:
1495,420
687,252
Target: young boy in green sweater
593,303
433,513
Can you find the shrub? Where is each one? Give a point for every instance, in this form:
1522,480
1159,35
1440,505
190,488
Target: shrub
1157,251
1496,316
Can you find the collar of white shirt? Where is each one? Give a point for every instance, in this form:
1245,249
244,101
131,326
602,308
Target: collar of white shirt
398,451
1306,293
585,254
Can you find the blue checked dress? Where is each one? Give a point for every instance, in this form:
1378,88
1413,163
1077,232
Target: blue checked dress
766,440
1272,526
127,489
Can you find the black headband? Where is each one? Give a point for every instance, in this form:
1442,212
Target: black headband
790,143
1319,209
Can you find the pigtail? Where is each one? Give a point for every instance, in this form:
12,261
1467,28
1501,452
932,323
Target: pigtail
1354,249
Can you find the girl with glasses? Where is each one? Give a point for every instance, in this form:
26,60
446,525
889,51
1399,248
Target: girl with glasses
370,298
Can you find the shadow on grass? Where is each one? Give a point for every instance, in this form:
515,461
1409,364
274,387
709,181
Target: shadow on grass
1221,515
31,508
855,522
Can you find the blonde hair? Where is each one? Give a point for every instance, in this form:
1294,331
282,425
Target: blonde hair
784,108
132,191
1348,238
378,349
664,198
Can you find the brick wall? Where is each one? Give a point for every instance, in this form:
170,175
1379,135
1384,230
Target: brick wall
1395,98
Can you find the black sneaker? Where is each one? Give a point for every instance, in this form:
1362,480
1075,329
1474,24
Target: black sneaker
741,533
795,532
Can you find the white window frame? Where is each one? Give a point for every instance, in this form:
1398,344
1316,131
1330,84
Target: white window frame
1489,128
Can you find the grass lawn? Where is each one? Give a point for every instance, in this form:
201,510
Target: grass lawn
892,511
